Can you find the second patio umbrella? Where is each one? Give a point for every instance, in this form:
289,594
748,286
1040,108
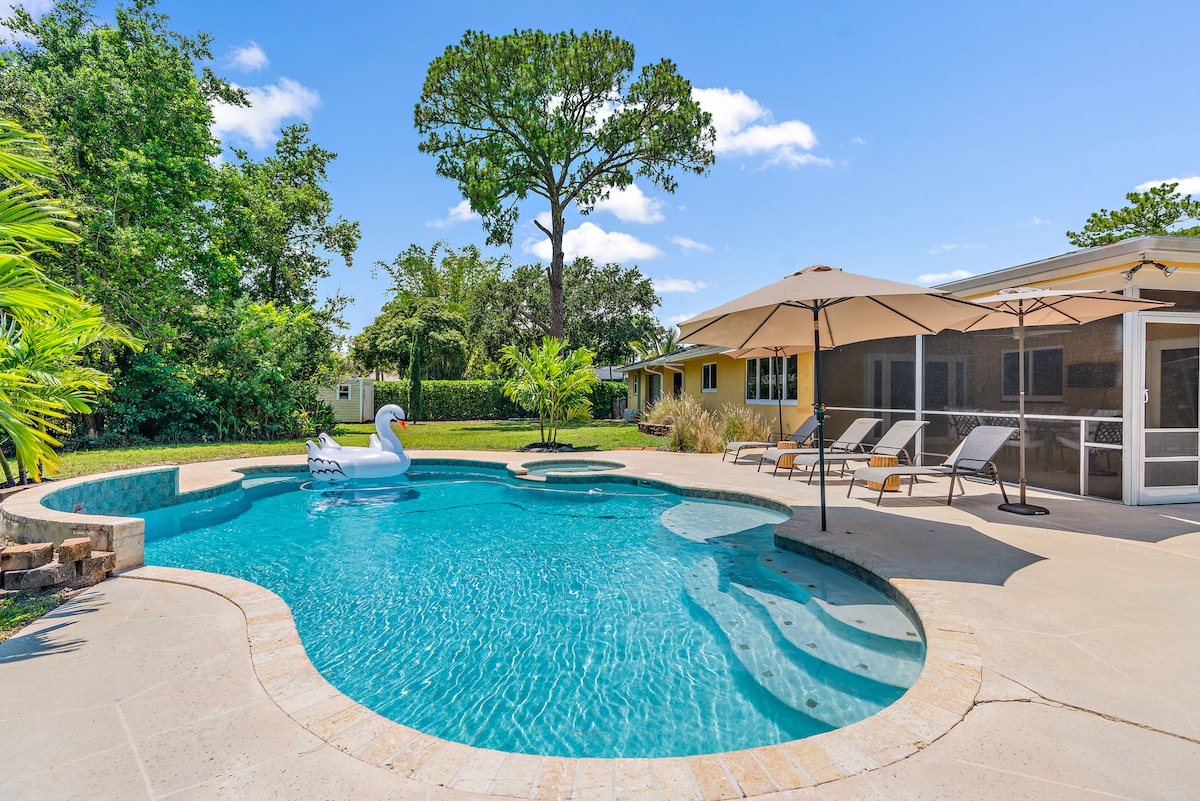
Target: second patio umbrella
1026,306
822,307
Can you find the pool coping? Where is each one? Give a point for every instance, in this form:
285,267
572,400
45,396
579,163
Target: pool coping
942,695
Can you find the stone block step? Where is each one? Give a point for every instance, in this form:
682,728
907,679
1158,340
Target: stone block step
39,578
74,549
98,566
26,557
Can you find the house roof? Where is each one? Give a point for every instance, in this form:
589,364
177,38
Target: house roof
1102,267
681,354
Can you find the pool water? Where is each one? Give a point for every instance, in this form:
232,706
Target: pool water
601,620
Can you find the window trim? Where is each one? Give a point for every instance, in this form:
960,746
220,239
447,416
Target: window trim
705,374
349,392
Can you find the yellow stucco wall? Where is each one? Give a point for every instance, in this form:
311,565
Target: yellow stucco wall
731,388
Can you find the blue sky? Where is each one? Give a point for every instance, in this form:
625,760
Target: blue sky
909,141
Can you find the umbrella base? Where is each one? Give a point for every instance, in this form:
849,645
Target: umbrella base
1023,509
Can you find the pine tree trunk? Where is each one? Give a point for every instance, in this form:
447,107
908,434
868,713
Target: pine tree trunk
557,258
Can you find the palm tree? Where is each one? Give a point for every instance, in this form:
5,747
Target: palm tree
43,326
660,342
555,386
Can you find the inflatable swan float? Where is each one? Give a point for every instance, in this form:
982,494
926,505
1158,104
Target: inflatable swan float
384,458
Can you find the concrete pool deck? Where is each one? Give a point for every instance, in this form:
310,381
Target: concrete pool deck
1085,623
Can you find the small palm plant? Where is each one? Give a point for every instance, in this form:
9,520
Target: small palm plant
553,384
43,326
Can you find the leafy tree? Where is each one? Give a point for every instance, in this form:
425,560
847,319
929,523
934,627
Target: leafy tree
606,306
387,342
275,220
455,278
128,121
554,384
559,116
1155,211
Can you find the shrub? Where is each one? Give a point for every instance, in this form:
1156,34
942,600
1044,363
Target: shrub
554,383
478,400
743,424
693,428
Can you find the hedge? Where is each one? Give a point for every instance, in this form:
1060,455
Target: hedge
480,400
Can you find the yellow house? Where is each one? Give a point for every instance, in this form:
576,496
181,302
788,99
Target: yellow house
1113,406
716,379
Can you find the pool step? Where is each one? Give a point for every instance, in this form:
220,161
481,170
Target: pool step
755,644
892,664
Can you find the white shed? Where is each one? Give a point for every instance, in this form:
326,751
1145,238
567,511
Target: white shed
352,399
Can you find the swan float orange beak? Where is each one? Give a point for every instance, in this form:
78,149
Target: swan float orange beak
402,425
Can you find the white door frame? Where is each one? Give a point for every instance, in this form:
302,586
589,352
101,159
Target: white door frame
1137,395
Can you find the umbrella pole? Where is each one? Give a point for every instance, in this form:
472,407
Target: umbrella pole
1022,508
818,407
779,392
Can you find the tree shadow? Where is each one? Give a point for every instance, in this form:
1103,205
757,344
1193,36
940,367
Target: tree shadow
39,642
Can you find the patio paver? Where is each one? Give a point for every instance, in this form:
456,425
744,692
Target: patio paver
1082,623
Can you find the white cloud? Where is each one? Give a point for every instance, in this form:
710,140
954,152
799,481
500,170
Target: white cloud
936,249
269,106
678,285
857,140
249,57
676,319
746,127
456,214
1038,221
594,242
35,7
632,205
690,244
1187,186
941,278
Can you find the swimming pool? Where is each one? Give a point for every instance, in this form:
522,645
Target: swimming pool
596,620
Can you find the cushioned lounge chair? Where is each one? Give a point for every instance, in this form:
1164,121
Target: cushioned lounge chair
971,459
801,435
893,443
851,441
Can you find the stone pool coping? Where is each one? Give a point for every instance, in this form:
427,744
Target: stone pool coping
942,695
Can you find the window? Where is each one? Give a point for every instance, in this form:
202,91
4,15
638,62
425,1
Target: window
1043,374
637,383
708,378
343,392
766,378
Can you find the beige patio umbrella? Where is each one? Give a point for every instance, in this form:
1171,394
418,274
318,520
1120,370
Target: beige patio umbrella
1024,306
768,353
822,307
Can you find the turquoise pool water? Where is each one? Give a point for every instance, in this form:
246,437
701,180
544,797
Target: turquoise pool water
598,620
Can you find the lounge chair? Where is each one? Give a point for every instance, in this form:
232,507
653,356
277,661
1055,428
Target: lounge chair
893,443
801,435
851,441
971,459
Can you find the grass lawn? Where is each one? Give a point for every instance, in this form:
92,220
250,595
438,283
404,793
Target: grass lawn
489,435
17,611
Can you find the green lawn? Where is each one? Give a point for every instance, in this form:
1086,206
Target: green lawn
598,435
23,608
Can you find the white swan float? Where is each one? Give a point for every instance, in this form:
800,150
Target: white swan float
384,458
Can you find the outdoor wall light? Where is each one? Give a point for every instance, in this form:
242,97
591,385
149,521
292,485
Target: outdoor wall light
1149,263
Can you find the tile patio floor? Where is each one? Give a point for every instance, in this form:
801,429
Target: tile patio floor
1087,622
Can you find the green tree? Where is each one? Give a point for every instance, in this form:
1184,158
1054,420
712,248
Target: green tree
559,116
126,111
275,220
553,384
660,342
452,276
387,342
606,307
1155,211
